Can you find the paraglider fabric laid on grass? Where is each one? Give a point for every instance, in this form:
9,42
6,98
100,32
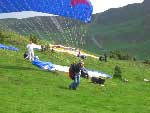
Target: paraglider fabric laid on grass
2,46
53,67
91,73
43,65
76,9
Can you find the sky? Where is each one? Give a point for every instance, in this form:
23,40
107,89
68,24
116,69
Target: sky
98,6
102,5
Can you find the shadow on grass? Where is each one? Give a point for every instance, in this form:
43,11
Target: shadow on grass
28,68
19,68
64,87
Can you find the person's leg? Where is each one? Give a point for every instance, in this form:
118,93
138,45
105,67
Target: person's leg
77,80
72,85
75,83
32,55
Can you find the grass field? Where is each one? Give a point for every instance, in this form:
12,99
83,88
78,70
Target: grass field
25,88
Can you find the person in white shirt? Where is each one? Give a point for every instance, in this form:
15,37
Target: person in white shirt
30,48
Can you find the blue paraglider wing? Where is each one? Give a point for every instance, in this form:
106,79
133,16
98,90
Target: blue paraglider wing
77,9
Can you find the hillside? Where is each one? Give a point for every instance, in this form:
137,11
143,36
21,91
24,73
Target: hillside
25,88
53,28
125,29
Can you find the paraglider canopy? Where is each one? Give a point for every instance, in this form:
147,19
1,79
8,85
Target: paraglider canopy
76,9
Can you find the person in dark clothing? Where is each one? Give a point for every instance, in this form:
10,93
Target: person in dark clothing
82,56
74,73
105,57
79,53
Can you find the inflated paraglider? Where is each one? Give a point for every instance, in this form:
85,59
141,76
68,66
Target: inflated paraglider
77,9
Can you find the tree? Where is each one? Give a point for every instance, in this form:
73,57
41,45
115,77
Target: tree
117,72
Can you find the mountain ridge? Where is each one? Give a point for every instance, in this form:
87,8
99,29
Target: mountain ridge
126,29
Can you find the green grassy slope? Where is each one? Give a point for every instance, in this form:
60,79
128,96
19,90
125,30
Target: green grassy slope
25,88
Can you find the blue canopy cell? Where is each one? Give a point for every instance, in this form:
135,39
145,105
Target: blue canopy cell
43,65
76,9
2,46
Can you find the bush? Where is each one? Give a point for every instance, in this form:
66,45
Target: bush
117,72
120,55
147,61
134,59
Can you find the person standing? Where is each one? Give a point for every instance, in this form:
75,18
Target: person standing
30,48
79,53
105,57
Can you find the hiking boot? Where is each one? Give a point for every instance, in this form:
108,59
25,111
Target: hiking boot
70,87
74,88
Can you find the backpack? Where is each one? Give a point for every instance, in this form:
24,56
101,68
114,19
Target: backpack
71,71
25,55
74,68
